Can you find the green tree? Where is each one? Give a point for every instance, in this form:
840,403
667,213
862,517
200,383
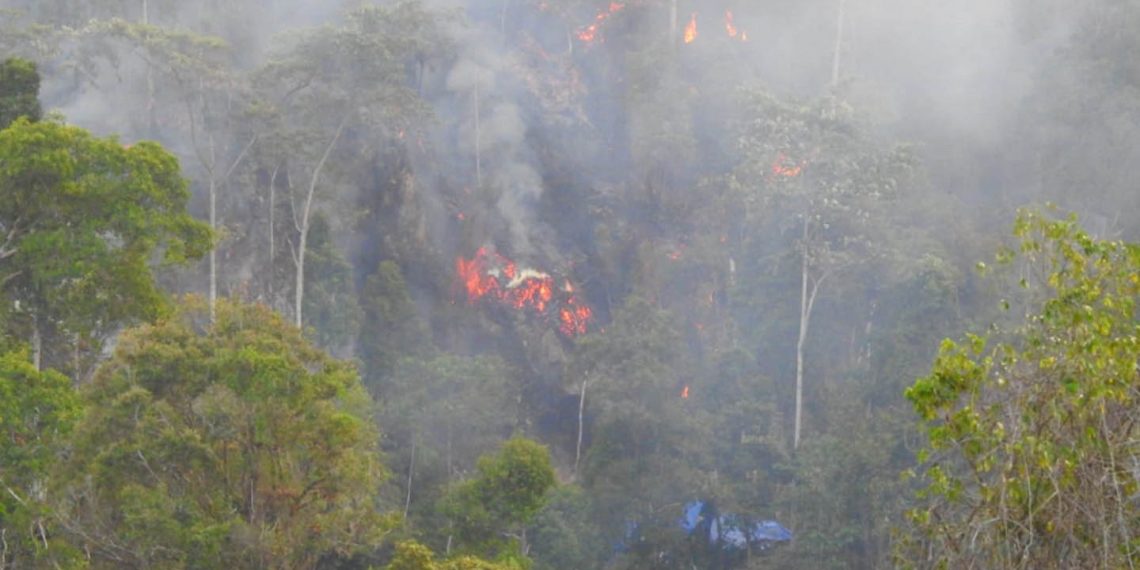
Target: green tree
412,555
335,82
235,444
563,535
188,75
814,171
81,220
631,380
334,314
19,91
391,327
507,491
1031,461
442,413
37,413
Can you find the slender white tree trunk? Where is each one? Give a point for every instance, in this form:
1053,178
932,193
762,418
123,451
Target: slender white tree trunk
581,411
503,19
272,233
838,43
411,473
800,344
303,225
478,139
299,284
809,288
213,250
673,23
37,344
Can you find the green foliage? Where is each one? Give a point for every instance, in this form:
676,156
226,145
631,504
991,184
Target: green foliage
415,556
330,303
1031,433
232,444
635,378
82,219
563,534
19,91
508,489
392,327
37,413
440,412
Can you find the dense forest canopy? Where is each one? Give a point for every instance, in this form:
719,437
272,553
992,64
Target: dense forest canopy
577,284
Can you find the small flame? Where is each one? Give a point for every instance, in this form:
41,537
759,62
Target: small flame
588,34
574,317
786,167
685,392
729,26
691,29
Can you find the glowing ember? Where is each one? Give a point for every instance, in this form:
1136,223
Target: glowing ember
685,392
786,167
589,34
691,29
729,26
493,277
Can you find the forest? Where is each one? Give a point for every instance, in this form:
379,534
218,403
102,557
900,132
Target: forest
569,284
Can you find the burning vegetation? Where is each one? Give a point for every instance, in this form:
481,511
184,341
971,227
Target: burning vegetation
730,28
590,33
691,29
785,167
490,277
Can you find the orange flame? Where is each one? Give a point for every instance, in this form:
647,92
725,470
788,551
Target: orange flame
685,392
589,33
691,29
729,26
574,318
494,277
786,167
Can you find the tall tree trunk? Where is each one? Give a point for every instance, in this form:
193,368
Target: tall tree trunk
272,236
838,43
411,473
581,411
151,106
673,23
37,344
303,224
478,137
503,20
809,288
213,250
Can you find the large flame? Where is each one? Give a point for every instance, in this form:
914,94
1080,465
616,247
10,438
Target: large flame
493,277
691,29
589,34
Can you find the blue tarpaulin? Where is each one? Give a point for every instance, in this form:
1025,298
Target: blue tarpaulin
730,530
